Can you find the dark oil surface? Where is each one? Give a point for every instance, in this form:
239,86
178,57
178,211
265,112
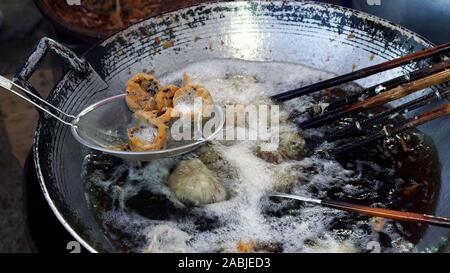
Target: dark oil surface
407,177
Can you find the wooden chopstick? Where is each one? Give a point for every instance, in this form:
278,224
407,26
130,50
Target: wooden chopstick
359,74
381,99
388,214
378,212
361,126
400,91
373,91
423,118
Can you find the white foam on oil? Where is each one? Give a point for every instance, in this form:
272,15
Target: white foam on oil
235,81
166,239
244,216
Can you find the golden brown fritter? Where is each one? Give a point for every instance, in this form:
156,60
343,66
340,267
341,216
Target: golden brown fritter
149,133
164,97
140,91
185,98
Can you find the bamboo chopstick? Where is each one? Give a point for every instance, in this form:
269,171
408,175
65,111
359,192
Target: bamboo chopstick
359,74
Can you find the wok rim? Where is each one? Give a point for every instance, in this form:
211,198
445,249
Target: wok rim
360,14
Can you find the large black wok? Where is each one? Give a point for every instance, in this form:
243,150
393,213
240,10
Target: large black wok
326,37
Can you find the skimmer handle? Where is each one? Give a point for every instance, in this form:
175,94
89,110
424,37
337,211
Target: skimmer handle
36,100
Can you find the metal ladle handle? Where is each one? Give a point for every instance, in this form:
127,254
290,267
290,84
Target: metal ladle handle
43,104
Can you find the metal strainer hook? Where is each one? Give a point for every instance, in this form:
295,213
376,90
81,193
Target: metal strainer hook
16,89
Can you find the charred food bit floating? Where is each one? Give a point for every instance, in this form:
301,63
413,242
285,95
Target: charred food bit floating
140,91
193,183
149,134
245,247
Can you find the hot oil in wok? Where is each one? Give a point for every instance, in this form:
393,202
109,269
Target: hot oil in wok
139,213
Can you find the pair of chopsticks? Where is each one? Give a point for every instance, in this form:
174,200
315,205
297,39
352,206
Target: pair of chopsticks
377,212
380,95
363,73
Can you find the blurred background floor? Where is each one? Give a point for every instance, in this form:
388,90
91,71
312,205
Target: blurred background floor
17,40
17,119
